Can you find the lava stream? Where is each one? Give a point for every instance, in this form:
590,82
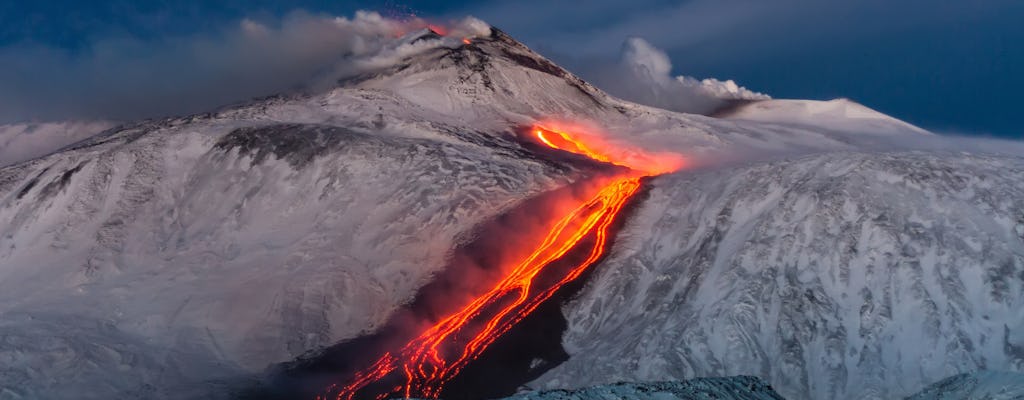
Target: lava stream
437,355
563,141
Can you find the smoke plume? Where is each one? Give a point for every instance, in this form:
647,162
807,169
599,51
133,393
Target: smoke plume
126,78
643,75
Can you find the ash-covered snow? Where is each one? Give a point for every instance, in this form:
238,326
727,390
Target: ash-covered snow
734,388
987,385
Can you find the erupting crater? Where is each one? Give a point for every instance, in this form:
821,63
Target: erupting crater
423,366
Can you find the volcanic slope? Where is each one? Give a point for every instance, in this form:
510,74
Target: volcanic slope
170,258
838,275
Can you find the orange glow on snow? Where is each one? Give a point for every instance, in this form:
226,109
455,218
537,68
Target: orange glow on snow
465,41
441,351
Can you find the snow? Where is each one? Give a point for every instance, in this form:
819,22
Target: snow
227,259
839,114
814,273
990,385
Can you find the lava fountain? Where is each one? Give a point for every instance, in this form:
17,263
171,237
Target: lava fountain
426,363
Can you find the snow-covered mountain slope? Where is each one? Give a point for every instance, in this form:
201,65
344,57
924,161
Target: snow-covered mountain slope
834,115
233,247
25,141
841,275
734,388
169,258
988,385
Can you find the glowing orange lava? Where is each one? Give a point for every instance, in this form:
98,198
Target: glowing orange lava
437,355
649,163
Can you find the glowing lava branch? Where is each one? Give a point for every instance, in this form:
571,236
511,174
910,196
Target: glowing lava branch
437,355
649,163
428,364
562,141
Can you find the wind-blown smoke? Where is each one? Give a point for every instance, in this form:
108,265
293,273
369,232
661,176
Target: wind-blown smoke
128,78
643,75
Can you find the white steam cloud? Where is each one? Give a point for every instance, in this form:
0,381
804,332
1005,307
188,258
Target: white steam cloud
131,78
644,75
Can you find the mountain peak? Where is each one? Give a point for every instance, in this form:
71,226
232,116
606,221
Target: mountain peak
479,74
448,45
524,56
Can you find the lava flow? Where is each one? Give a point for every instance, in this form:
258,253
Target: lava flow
425,364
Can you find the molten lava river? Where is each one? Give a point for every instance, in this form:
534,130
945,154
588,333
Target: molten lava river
423,366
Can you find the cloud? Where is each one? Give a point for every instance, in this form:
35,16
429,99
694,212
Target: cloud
124,78
643,75
20,142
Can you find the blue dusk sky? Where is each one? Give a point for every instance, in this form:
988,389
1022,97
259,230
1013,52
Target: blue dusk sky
949,66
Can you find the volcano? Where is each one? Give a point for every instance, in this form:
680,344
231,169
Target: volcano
823,247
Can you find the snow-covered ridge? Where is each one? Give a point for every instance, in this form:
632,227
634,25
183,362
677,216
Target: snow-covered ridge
838,114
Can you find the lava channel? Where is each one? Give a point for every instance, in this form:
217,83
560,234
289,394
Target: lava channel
425,364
